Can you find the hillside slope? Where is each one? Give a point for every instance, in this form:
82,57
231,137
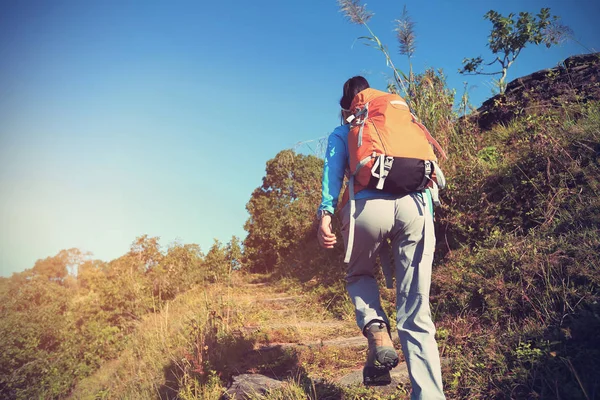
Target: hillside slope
515,292
515,295
211,334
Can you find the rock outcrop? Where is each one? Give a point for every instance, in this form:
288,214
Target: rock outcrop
577,79
246,386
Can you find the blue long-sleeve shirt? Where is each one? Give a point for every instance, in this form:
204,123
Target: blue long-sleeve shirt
336,163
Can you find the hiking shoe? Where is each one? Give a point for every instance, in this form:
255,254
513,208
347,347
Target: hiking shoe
381,353
376,377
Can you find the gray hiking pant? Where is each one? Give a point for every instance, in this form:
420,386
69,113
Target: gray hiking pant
408,223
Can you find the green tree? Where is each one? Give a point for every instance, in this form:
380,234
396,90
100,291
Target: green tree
215,262
234,253
179,269
508,38
57,268
96,334
51,326
146,250
91,274
33,360
282,209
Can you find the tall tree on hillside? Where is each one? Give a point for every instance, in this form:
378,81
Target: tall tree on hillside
179,269
234,253
128,289
91,274
146,250
57,268
215,262
509,36
282,209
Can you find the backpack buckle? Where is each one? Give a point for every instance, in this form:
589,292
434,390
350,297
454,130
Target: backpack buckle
381,168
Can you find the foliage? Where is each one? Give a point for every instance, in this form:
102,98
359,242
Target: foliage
221,260
282,209
234,254
432,101
32,331
519,260
515,288
179,269
509,37
66,316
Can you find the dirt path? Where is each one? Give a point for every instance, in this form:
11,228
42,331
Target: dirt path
291,323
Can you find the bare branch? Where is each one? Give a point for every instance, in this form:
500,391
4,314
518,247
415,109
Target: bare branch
482,73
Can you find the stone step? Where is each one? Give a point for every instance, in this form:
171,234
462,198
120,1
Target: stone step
248,386
399,376
299,324
355,341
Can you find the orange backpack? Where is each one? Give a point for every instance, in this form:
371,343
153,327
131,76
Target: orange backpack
389,150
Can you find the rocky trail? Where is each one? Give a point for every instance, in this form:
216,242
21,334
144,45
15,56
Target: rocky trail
254,336
291,325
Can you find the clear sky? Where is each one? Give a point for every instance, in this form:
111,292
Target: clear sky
120,118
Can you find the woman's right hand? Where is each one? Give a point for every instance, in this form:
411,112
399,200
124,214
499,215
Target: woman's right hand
325,235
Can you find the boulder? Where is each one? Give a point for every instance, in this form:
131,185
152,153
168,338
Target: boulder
245,385
399,377
577,79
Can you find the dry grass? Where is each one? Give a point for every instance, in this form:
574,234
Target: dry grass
173,352
160,338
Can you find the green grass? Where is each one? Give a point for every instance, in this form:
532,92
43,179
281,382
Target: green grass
518,287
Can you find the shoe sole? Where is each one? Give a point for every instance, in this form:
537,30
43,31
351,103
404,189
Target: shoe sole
376,377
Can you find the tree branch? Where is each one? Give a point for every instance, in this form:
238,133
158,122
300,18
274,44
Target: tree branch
496,60
516,54
482,73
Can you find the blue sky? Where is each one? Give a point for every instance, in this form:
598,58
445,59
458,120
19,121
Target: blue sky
123,118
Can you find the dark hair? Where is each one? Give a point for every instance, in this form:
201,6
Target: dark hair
352,87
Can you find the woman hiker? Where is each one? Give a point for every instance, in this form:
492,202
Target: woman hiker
407,222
